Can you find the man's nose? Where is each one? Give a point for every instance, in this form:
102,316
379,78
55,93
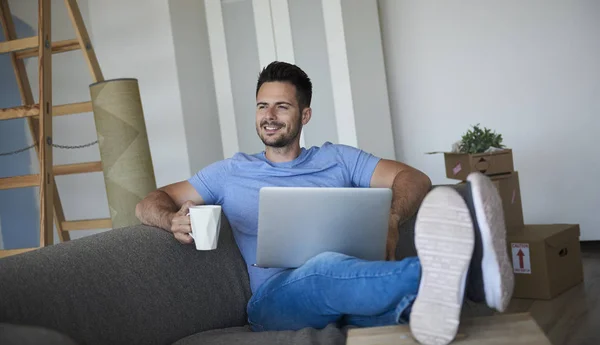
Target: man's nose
271,113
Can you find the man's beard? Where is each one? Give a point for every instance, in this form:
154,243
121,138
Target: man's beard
283,140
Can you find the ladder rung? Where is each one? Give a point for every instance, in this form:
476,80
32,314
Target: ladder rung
77,168
34,110
57,47
24,181
19,181
72,225
20,111
8,252
18,44
73,108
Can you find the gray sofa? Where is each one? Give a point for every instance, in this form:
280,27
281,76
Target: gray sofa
138,285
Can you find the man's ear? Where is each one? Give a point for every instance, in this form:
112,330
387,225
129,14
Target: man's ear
306,115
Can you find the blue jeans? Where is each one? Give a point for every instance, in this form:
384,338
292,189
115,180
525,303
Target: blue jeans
336,288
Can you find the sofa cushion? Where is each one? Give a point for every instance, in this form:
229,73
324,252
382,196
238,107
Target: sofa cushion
29,335
330,335
124,286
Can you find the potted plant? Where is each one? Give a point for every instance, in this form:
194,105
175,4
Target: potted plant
480,149
477,140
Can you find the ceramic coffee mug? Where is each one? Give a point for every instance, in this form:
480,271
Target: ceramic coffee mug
206,223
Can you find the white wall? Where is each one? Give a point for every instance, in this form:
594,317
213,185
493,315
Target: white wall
134,39
528,69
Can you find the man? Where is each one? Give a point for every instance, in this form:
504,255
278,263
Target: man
452,240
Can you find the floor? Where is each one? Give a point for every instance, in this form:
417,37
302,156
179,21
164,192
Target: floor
572,318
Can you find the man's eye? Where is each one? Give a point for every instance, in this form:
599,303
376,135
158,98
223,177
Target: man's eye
283,107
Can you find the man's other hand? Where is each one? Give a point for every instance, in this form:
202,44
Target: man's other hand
181,226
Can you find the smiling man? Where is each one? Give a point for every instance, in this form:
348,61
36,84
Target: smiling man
460,247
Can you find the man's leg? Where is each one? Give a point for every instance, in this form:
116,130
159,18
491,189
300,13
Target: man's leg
436,312
444,240
331,286
475,289
312,296
492,277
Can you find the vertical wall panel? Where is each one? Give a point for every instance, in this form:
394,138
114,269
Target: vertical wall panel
265,38
274,34
240,36
195,76
366,70
222,80
282,31
310,52
340,77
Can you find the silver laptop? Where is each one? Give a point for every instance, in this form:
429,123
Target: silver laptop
297,223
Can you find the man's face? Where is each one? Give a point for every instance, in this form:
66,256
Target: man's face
278,117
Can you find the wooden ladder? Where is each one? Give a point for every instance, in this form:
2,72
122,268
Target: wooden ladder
39,116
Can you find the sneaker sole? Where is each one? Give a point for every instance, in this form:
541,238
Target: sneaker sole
444,238
498,278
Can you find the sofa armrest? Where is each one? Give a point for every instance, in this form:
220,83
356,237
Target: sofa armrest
124,286
406,239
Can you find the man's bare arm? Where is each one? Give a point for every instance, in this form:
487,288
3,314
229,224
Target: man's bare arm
160,207
409,188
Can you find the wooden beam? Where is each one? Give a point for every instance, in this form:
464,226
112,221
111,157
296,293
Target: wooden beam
73,108
14,45
22,181
77,168
84,40
20,111
57,47
73,225
33,180
45,120
59,217
9,252
34,110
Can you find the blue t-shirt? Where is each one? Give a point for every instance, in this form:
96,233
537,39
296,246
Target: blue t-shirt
234,183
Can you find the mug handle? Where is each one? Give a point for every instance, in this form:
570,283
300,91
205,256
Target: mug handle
191,233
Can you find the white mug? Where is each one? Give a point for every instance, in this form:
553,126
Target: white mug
205,221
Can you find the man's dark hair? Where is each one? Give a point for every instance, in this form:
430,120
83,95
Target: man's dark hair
286,72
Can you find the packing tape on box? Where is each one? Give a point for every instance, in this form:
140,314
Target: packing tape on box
124,149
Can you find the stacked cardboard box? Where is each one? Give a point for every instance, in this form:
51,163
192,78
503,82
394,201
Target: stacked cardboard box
499,167
546,258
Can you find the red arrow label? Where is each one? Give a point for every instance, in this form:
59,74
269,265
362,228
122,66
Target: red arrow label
521,255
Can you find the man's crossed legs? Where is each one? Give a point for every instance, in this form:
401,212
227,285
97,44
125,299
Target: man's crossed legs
461,248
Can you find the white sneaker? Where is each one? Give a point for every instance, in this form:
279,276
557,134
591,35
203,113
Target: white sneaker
491,263
444,239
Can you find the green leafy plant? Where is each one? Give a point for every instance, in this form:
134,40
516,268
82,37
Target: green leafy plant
477,140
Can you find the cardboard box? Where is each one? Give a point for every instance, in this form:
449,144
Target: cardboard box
546,260
510,191
460,165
